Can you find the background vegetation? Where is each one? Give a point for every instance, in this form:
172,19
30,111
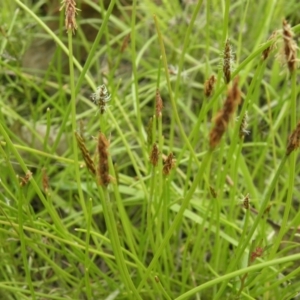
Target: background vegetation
208,222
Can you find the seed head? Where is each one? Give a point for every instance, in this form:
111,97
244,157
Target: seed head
25,180
227,62
244,125
85,154
294,140
103,168
209,85
154,155
169,164
289,46
246,202
224,115
70,13
101,97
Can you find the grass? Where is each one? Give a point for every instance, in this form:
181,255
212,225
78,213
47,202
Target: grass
103,216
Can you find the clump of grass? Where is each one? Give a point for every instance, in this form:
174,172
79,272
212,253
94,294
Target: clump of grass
165,228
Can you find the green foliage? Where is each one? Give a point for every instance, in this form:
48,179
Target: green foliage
176,230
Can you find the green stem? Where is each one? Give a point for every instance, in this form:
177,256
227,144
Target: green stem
177,220
292,165
237,273
74,127
241,248
115,242
173,102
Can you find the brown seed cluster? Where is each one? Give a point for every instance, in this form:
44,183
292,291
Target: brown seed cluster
169,164
294,140
70,13
224,115
290,46
246,202
154,155
158,104
85,154
258,252
103,167
25,180
227,61
209,85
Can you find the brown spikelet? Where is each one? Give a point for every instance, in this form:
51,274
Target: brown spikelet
209,85
224,115
169,164
246,202
103,167
45,181
258,252
85,154
70,13
158,104
25,180
294,140
267,51
125,43
227,61
154,155
290,47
